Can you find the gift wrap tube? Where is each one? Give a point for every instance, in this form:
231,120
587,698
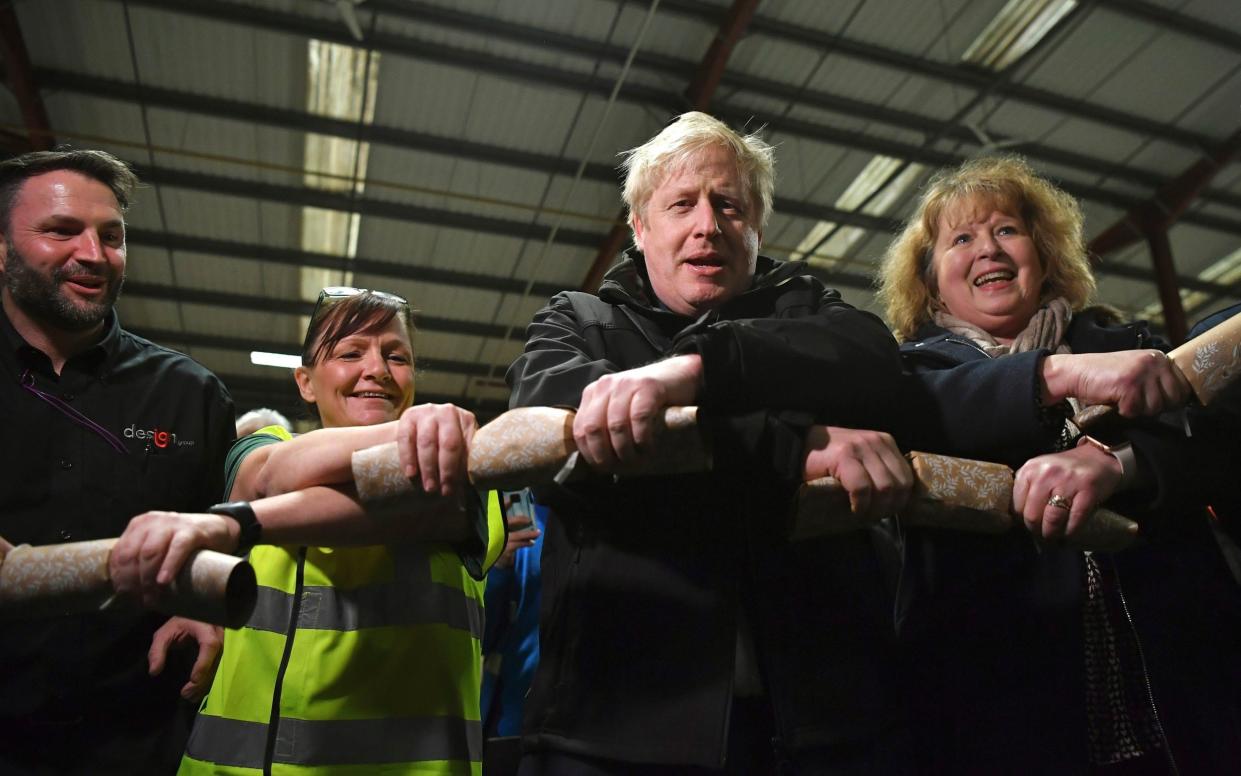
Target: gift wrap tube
522,447
1210,363
531,446
953,493
949,493
70,578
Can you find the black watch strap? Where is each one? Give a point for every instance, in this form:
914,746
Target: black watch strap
251,529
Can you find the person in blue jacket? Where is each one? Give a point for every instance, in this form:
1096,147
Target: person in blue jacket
1024,654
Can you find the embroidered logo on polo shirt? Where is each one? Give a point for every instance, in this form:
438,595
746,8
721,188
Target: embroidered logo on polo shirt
159,437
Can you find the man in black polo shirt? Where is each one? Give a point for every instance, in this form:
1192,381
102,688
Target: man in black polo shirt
97,426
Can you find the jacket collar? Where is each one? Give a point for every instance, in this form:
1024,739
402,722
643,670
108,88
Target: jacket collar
103,352
1091,331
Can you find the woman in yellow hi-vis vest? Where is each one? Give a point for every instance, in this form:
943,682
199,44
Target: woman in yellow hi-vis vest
362,655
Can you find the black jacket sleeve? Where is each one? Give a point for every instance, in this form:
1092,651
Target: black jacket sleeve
828,359
558,362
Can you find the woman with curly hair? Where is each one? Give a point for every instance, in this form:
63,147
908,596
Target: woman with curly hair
1027,655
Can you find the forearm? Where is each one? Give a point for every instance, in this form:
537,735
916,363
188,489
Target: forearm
331,517
987,409
321,457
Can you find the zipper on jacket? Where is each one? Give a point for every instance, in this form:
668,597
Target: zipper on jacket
970,343
273,722
1146,679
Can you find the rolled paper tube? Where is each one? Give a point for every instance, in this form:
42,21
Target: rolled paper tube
821,508
952,493
531,445
522,447
949,493
1104,531
70,578
377,474
1210,363
1212,360
959,494
679,447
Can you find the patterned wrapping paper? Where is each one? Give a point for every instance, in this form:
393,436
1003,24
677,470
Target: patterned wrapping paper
821,508
530,446
959,494
953,493
522,447
377,473
1212,360
679,447
1105,531
1210,363
950,493
66,578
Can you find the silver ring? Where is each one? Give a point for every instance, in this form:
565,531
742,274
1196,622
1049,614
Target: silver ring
1059,502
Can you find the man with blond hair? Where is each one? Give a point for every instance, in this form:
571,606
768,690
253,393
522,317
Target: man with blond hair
682,631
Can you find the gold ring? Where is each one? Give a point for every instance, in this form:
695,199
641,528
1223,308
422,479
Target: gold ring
1059,502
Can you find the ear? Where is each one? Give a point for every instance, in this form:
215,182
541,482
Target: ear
638,231
301,375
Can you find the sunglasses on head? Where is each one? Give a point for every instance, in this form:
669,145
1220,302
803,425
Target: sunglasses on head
333,294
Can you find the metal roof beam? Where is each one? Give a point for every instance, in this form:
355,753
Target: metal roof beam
1166,18
674,67
365,205
248,344
671,66
1169,203
253,303
296,195
304,121
400,138
332,30
949,73
505,67
293,257
21,81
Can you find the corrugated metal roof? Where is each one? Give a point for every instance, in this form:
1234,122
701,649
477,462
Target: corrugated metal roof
484,110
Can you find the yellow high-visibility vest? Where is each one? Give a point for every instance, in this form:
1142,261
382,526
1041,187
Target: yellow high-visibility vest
357,658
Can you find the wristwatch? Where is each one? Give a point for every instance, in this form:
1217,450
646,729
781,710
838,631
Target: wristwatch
251,529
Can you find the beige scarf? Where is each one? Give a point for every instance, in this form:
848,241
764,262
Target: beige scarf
1046,329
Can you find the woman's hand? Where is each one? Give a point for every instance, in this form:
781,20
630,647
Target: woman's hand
867,463
434,442
155,545
1054,494
1136,382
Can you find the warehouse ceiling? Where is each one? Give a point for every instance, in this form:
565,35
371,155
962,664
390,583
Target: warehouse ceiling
463,154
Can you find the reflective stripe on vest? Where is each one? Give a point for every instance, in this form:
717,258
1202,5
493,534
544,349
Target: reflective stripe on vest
375,606
382,669
234,743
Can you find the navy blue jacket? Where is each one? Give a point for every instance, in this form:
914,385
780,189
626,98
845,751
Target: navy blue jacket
991,627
